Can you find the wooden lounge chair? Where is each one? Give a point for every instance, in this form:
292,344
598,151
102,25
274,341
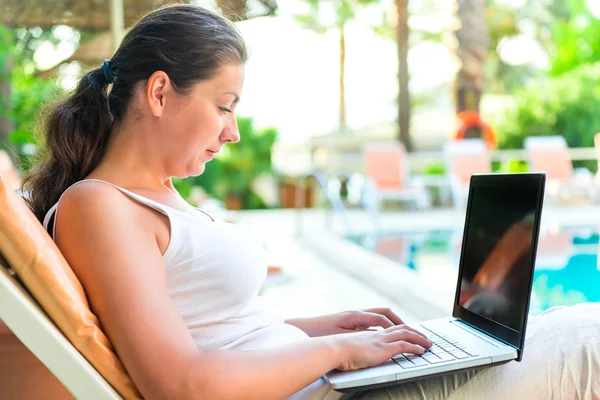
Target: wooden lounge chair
43,304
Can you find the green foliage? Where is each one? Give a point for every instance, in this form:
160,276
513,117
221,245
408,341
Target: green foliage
577,39
435,168
234,170
29,93
565,29
345,11
6,45
503,21
513,166
565,105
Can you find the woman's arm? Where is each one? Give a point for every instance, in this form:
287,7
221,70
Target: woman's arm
112,247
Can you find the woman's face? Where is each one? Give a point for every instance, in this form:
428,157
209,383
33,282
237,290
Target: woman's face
198,125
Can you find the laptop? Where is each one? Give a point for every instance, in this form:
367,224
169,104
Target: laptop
493,291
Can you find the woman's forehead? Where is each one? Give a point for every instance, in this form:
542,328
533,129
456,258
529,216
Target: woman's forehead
228,81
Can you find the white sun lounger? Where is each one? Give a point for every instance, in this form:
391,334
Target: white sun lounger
38,333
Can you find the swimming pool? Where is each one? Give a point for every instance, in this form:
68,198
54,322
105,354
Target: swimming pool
567,271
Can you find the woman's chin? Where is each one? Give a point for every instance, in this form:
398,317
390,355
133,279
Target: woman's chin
199,170
195,170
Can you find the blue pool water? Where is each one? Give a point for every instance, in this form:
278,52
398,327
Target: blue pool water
567,271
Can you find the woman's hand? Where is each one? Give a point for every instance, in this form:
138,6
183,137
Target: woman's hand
347,322
367,349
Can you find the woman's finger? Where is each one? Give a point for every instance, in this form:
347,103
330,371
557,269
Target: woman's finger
410,328
407,335
405,347
392,316
362,319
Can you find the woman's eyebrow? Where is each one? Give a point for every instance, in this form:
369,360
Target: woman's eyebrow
237,98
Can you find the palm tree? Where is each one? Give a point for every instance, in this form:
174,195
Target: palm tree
345,12
402,35
472,46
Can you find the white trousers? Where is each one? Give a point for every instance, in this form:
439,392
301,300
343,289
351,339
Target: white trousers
561,360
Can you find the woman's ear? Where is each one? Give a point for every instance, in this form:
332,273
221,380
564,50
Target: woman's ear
156,90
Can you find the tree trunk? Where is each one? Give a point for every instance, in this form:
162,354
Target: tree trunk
6,123
403,32
234,10
472,43
342,78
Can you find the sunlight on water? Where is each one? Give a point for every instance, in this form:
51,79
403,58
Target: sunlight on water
566,273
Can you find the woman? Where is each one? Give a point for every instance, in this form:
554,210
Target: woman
175,290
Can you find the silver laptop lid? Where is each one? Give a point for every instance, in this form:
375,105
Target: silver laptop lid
498,254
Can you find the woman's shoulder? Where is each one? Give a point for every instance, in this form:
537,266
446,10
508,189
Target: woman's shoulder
103,206
91,197
93,212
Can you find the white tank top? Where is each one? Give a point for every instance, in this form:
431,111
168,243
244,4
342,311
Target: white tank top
214,272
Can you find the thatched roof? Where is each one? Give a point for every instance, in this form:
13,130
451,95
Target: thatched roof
80,14
94,51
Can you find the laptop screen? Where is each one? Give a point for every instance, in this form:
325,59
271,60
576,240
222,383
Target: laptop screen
498,251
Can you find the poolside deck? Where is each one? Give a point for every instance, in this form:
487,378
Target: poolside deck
323,273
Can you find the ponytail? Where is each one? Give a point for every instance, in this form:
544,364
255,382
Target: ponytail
76,132
187,42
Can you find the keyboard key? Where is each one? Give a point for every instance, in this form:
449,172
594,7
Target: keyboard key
445,348
406,364
419,362
429,357
437,360
459,354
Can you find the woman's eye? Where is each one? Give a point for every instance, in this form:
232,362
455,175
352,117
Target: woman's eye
225,110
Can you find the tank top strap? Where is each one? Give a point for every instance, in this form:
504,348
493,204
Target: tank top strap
49,219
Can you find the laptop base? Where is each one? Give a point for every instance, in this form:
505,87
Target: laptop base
417,378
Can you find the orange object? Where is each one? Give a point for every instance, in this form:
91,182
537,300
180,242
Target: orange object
470,119
387,165
550,154
39,264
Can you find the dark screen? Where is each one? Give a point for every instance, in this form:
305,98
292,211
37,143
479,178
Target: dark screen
497,253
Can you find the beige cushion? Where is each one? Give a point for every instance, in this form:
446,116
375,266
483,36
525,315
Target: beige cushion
41,267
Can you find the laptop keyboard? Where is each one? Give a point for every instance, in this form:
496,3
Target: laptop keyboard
444,349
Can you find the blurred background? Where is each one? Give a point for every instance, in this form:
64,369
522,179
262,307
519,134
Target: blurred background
369,115
325,77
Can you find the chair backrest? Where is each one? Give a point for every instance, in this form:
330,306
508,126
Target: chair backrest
549,154
465,158
37,332
386,164
33,255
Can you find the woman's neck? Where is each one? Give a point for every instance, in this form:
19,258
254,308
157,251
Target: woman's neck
131,160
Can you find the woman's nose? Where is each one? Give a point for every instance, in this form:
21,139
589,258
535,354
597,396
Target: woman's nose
230,132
